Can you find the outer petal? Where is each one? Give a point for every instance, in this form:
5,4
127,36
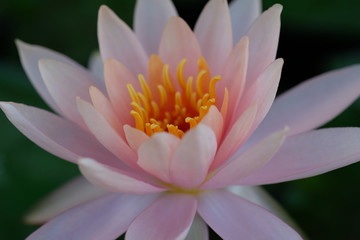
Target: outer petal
105,108
155,155
135,137
198,230
56,135
242,218
213,30
260,197
115,180
73,193
310,154
179,42
150,19
262,92
30,56
193,156
96,67
299,108
170,217
234,76
215,121
237,135
66,82
264,38
117,41
251,160
105,134
104,218
117,76
243,13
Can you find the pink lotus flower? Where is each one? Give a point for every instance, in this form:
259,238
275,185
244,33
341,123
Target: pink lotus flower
178,118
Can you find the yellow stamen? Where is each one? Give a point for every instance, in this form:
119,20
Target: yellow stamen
144,87
163,106
180,74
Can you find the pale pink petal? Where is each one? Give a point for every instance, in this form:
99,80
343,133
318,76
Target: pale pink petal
232,217
156,153
170,217
105,108
237,135
214,120
313,102
104,218
30,56
56,135
213,30
96,67
248,162
105,134
198,230
243,13
262,92
150,19
309,154
73,193
234,77
66,82
193,156
115,180
135,137
264,38
260,197
117,76
117,41
179,42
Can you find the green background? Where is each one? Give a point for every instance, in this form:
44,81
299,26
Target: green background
316,36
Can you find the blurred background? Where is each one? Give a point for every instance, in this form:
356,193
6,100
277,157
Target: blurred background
316,36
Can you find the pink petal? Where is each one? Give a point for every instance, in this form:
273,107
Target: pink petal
117,76
248,162
155,155
30,56
309,154
193,156
117,41
103,218
104,107
96,67
264,38
243,13
260,197
66,82
237,135
170,217
135,137
262,92
313,102
150,19
234,76
106,134
179,42
231,217
115,180
214,120
56,135
198,230
73,193
213,30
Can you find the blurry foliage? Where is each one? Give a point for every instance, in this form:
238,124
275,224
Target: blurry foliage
316,36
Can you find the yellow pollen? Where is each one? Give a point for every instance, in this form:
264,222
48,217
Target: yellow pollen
175,106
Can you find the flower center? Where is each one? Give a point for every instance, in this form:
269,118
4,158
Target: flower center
175,106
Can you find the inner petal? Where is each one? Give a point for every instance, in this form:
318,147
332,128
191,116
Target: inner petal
177,104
